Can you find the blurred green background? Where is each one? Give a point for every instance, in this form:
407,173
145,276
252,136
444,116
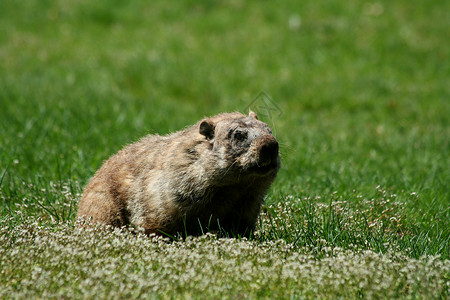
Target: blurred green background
362,89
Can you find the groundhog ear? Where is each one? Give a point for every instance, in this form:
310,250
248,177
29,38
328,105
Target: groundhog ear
207,129
253,115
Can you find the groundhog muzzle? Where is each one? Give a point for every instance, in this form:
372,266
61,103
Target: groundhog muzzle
212,176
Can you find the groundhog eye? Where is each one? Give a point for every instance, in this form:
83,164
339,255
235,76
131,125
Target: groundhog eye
239,135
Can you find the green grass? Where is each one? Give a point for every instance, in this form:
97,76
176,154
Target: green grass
360,207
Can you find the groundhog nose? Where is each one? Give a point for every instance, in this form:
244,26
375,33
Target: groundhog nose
268,151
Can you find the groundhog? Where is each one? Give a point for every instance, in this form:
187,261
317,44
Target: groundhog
212,176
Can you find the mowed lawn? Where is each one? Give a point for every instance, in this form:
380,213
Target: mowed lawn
357,93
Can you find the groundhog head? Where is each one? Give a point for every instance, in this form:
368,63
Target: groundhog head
244,145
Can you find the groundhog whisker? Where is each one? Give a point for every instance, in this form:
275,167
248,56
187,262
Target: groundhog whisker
229,168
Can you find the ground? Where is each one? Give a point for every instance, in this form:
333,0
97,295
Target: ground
357,95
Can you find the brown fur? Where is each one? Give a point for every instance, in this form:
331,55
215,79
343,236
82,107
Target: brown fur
212,175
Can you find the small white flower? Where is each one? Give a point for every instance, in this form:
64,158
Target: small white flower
295,22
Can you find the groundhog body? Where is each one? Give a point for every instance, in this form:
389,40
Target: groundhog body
210,176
